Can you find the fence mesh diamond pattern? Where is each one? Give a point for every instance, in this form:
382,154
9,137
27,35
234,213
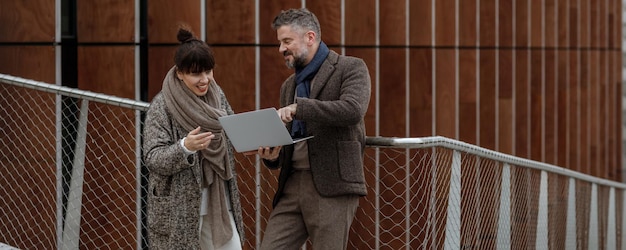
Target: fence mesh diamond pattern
72,178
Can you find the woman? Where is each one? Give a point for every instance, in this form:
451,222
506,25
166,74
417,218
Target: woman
193,199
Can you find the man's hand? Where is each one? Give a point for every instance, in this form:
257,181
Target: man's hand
287,113
267,153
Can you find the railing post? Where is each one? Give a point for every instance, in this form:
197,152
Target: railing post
453,222
504,218
570,228
71,228
542,215
593,218
611,231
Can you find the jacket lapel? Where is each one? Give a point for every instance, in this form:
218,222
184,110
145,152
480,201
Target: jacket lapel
325,71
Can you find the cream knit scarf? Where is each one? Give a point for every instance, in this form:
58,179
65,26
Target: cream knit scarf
191,111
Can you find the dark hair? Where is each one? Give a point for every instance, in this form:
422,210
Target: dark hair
301,19
192,55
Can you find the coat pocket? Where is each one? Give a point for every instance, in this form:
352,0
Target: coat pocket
159,214
350,161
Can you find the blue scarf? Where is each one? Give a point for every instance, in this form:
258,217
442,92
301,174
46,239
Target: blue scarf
303,85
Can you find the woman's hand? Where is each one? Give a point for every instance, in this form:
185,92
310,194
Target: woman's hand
198,141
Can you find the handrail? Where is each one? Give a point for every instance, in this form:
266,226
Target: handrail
440,141
72,92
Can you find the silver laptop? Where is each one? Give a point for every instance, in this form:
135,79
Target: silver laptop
259,128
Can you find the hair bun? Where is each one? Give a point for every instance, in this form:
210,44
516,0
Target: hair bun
185,35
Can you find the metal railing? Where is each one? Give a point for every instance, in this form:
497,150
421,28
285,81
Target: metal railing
73,178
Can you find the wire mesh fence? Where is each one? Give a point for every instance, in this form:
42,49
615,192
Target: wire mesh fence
73,179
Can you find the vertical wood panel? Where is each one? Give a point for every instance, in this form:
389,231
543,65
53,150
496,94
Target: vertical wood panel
551,111
445,22
583,195
573,23
165,17
488,192
31,218
563,110
557,202
536,23
468,20
109,187
603,23
594,117
487,99
445,94
270,9
329,15
420,97
574,109
487,30
522,105
394,231
161,60
584,111
469,194
505,101
392,22
550,23
537,118
563,23
230,22
616,118
273,73
27,21
522,27
506,119
31,62
524,204
594,23
505,23
392,88
360,18
420,19
603,114
106,21
584,11
618,176
234,72
467,96
116,81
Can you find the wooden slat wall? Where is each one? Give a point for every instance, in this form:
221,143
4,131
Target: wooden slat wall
27,33
105,36
536,79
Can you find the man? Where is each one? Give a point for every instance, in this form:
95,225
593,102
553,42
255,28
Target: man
321,179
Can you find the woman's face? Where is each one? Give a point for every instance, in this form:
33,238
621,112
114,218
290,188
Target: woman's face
197,82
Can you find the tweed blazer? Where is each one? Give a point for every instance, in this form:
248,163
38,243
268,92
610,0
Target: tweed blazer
334,114
174,186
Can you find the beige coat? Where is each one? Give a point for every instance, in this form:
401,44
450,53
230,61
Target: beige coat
174,189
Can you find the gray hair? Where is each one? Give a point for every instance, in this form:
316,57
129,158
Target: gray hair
300,19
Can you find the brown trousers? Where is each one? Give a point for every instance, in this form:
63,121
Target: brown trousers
302,213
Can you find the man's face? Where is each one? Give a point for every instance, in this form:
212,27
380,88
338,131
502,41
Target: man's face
293,46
